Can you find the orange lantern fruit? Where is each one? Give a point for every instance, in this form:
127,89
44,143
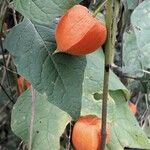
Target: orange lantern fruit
79,33
86,133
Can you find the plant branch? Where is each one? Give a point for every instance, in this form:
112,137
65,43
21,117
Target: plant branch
32,117
108,47
11,5
2,13
114,27
69,137
4,73
9,69
4,61
99,8
3,8
12,100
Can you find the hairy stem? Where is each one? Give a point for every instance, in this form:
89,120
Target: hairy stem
108,47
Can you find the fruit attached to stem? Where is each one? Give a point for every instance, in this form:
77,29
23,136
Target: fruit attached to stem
79,33
86,133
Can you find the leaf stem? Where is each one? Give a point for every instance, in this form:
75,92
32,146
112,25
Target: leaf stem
108,47
32,117
99,8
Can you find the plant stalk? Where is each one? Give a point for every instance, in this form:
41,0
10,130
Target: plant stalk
114,27
99,8
108,48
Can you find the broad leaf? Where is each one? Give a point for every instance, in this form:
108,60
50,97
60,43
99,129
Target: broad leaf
131,4
132,55
64,78
140,21
59,76
125,131
137,43
49,123
43,12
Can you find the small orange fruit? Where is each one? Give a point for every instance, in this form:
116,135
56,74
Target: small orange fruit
86,133
23,84
132,107
79,33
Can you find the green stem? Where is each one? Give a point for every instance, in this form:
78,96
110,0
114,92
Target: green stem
99,8
114,27
108,47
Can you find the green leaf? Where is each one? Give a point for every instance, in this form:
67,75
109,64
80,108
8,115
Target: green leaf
132,4
146,127
137,43
124,128
64,78
140,21
49,124
94,72
43,12
132,55
60,76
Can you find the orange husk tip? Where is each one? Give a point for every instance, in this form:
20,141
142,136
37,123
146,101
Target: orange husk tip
86,133
79,33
